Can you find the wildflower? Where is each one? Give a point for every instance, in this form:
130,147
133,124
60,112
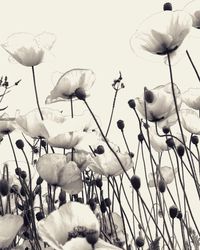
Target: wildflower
191,98
161,109
56,170
193,8
190,121
166,173
7,124
10,225
27,49
161,34
107,163
69,82
64,224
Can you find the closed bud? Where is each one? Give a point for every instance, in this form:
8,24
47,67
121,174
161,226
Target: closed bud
170,143
103,206
39,216
162,186
92,204
99,150
43,143
195,139
135,181
99,183
39,180
23,174
120,124
140,137
180,150
131,103
62,196
139,242
148,96
173,212
166,130
20,144
108,202
14,189
167,6
4,187
80,93
22,191
179,215
18,171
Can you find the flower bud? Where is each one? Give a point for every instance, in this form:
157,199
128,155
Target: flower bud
103,206
162,186
92,237
80,94
39,180
131,154
99,150
14,189
179,215
167,6
99,183
108,202
120,124
139,242
170,143
23,174
4,187
166,130
140,137
20,144
148,96
195,139
18,171
92,204
62,196
180,150
131,103
39,216
173,212
43,143
135,181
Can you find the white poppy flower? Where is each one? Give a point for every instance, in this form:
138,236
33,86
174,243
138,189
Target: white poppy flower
58,227
56,170
191,98
10,225
69,82
7,124
27,49
190,121
167,174
161,34
161,107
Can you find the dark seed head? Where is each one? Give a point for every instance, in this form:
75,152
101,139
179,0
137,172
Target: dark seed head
92,237
179,215
23,174
92,204
108,202
4,187
39,216
195,139
162,186
18,171
80,94
180,150
140,137
120,124
166,130
39,180
139,242
170,143
20,144
99,183
103,206
99,150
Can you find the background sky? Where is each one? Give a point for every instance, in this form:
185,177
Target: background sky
91,34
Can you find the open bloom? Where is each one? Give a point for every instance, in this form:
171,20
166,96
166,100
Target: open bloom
27,49
191,98
161,34
190,121
69,82
70,219
56,170
166,173
7,124
160,107
10,225
107,164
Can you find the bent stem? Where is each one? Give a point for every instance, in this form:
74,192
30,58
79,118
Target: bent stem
36,94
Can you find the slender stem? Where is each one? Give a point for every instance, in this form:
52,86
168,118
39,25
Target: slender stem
36,94
193,66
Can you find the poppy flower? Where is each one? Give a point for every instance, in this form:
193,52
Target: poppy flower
27,49
193,8
107,164
160,104
161,34
191,98
190,121
56,170
167,174
10,225
7,124
69,82
71,220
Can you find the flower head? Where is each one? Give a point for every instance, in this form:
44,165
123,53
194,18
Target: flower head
56,170
7,124
69,82
27,49
10,225
190,121
161,34
191,98
161,108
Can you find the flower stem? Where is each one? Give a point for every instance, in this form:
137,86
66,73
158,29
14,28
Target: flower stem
36,94
193,66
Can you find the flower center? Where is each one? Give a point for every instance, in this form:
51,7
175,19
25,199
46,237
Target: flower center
79,231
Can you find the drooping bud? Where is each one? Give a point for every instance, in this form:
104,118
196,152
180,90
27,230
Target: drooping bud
135,182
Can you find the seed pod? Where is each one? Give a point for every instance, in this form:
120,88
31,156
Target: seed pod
162,186
20,144
139,242
167,6
131,103
135,181
173,212
120,124
4,187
